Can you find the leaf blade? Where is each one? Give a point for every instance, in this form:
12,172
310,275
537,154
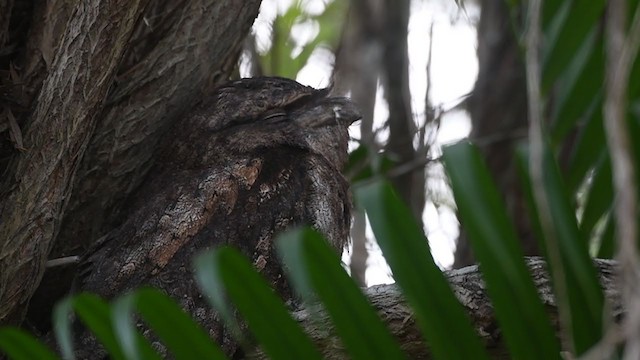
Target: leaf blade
579,294
279,335
167,320
441,318
20,345
360,329
518,308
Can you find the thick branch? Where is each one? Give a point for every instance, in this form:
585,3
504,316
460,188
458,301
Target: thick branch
57,135
395,79
180,51
470,290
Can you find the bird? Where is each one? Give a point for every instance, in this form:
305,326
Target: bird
256,157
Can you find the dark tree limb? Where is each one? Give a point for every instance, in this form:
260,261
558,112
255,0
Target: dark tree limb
49,22
470,290
402,129
56,137
162,75
178,52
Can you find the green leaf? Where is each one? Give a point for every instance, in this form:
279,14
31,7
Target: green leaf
589,147
579,87
184,338
310,259
560,50
210,280
331,22
578,293
495,244
266,316
280,59
19,345
439,315
125,328
364,164
357,168
130,341
607,241
633,122
94,314
553,17
62,318
599,197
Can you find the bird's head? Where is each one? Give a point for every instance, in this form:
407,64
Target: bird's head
258,113
324,121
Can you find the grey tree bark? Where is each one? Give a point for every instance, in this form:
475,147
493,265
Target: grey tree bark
470,290
102,81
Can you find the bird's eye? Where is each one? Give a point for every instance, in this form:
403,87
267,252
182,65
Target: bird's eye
274,115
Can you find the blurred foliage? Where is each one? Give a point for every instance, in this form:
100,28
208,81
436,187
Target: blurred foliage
573,78
286,56
365,163
573,82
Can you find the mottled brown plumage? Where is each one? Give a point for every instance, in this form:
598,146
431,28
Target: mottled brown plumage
257,157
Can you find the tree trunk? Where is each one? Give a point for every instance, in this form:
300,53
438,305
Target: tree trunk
107,79
358,65
498,110
402,128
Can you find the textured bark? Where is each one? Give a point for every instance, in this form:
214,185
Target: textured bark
470,290
178,53
95,86
184,49
56,136
49,22
498,108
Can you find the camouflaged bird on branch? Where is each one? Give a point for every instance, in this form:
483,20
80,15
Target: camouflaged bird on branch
257,157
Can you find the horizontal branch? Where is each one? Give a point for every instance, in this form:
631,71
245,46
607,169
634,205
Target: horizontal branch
470,290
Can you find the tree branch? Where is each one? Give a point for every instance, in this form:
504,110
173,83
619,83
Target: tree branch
61,123
196,53
470,290
178,52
